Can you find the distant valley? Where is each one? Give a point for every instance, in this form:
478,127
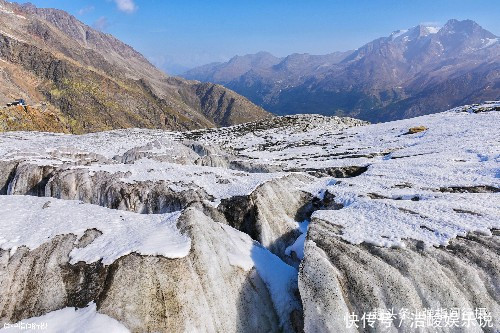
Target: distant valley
410,73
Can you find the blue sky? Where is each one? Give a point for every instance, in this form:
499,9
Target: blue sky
176,34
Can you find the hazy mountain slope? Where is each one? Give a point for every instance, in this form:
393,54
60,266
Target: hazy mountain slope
96,81
409,73
234,68
267,66
261,77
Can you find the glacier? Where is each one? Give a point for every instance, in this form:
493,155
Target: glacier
287,224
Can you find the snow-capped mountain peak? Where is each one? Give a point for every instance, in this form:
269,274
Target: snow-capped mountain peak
419,31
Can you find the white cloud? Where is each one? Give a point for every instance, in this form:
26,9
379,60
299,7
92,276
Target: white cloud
86,10
127,6
101,23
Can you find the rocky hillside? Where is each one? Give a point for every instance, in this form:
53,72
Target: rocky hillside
412,72
294,224
97,82
28,118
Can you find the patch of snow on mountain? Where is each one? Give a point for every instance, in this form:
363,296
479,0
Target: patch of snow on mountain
398,33
107,144
31,221
298,245
69,320
432,29
421,186
220,183
434,186
408,34
489,42
10,36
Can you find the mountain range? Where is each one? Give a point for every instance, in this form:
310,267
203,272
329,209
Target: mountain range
412,72
83,80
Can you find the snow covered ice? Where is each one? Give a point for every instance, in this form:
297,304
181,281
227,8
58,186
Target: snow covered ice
262,213
31,221
71,320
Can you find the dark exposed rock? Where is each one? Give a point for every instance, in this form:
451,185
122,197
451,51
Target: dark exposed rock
463,211
470,189
337,172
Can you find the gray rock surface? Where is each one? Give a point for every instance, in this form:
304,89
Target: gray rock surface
337,279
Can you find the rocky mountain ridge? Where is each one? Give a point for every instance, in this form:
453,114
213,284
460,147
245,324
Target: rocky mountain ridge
99,83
